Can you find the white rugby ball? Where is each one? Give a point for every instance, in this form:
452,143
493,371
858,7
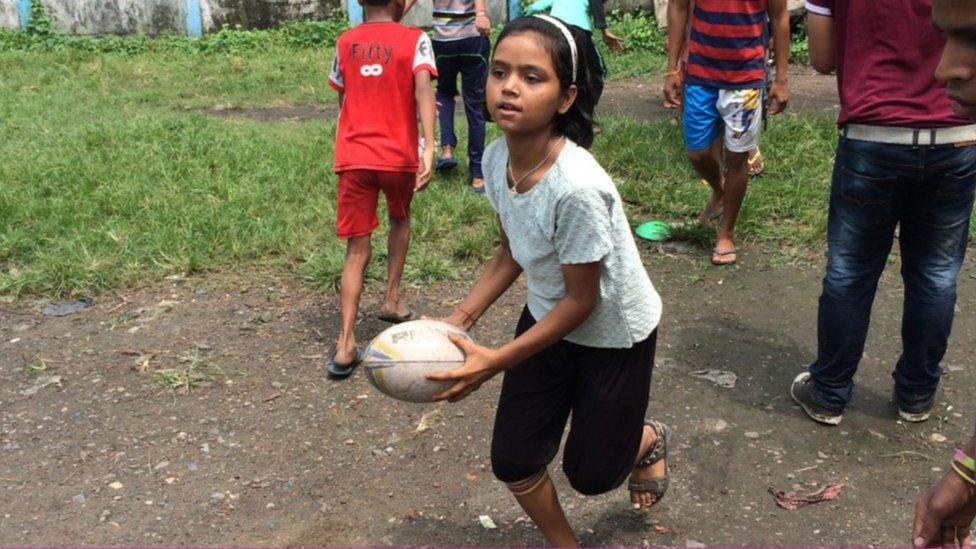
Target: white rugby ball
398,359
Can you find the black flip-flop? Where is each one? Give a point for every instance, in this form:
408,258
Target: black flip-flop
342,371
717,255
444,164
394,318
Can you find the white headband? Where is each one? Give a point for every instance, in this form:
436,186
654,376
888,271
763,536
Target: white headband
569,38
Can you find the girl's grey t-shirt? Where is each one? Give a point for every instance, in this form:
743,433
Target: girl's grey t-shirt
574,215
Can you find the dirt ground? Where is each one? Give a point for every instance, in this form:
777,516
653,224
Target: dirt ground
638,98
270,452
95,449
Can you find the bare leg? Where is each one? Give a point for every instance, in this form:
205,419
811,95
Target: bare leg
542,505
358,251
447,151
708,164
397,244
736,180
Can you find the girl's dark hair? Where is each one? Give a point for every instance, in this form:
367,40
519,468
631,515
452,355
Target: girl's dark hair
577,122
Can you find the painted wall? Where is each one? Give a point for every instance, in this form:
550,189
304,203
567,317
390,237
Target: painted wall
118,16
9,17
155,17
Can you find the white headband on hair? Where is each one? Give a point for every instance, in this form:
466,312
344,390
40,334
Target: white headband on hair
569,38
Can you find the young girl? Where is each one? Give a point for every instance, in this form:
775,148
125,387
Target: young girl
585,342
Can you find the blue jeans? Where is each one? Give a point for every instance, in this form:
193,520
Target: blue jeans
469,57
928,191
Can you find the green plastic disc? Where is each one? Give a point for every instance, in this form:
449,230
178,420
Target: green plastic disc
653,230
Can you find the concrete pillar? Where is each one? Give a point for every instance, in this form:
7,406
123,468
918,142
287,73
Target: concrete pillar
9,15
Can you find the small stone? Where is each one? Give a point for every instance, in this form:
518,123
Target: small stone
349,441
693,543
719,425
170,480
379,453
265,317
438,449
115,485
269,505
78,498
204,347
937,437
217,496
277,385
752,434
104,516
161,465
202,291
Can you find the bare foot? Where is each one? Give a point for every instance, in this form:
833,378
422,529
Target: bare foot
724,252
345,353
447,152
477,183
394,308
712,211
641,499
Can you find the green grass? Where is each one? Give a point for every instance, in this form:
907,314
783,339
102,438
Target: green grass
113,175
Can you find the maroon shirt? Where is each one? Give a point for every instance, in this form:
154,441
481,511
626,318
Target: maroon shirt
887,51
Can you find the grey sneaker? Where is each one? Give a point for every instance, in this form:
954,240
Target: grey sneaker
917,413
800,390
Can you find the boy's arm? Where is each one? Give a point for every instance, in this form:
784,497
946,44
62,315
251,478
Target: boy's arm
427,108
597,10
779,18
677,23
481,20
820,37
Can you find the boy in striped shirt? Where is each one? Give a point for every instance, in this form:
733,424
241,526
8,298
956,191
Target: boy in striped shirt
722,82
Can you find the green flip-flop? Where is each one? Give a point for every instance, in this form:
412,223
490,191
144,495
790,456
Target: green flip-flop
655,231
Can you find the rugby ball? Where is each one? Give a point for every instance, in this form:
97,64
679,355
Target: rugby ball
399,358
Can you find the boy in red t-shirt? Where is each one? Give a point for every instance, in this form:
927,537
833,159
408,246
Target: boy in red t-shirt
382,71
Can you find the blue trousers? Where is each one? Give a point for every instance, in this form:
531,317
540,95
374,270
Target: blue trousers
928,192
469,58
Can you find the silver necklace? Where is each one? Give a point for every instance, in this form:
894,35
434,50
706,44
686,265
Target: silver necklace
513,190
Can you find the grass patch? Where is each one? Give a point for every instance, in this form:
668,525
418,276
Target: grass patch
193,372
36,367
112,176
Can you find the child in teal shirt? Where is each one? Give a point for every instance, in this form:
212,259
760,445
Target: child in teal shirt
578,13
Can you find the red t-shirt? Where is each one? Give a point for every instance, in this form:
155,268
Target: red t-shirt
374,69
727,44
887,51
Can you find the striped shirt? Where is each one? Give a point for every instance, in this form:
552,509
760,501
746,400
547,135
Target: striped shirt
727,46
454,20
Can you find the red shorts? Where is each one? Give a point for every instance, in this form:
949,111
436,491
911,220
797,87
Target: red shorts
357,196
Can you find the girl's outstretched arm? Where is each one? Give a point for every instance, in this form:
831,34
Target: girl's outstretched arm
481,363
498,276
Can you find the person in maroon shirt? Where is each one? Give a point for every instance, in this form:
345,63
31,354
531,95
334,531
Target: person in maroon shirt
944,514
904,159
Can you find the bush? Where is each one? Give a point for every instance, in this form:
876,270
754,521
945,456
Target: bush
639,29
41,35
